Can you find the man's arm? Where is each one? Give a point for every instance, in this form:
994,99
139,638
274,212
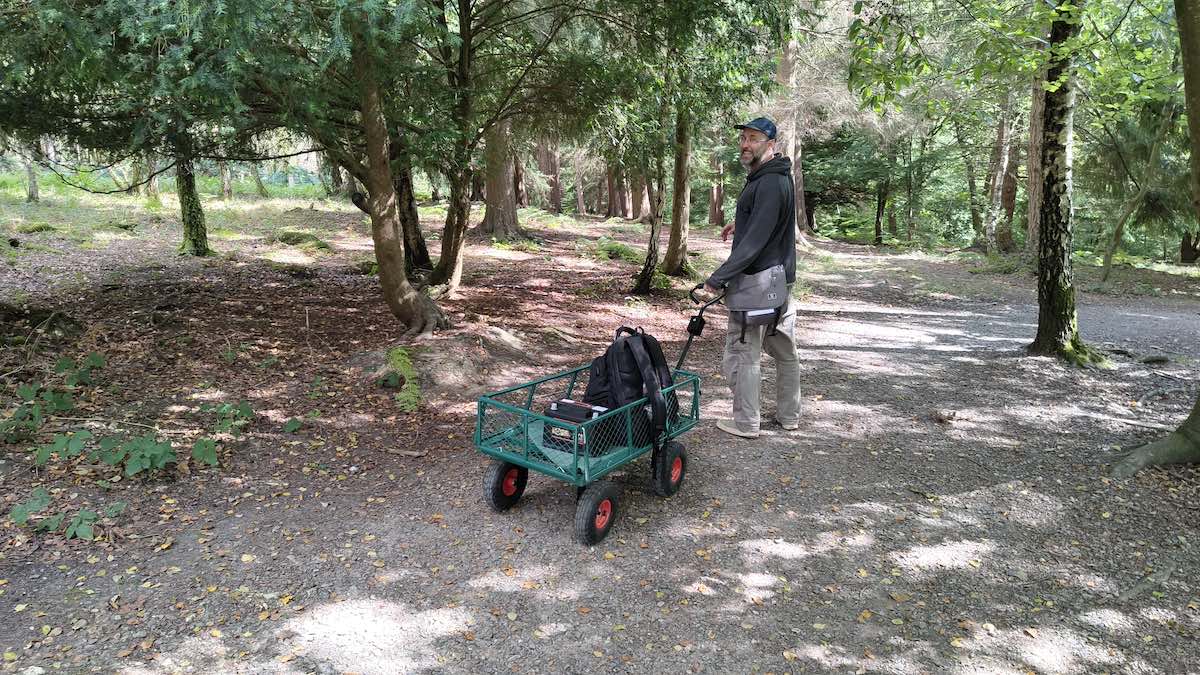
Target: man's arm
752,237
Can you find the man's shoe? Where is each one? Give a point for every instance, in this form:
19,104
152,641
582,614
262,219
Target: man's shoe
729,427
789,427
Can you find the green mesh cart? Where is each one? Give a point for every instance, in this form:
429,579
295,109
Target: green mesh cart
510,427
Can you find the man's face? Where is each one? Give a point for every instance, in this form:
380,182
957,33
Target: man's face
754,147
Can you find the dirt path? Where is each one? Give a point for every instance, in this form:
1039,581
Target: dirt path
943,508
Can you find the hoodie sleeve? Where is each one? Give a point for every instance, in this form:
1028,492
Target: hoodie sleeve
748,245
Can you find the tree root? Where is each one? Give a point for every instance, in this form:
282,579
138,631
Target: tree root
430,317
1176,448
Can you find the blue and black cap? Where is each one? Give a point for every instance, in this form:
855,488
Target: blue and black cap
759,124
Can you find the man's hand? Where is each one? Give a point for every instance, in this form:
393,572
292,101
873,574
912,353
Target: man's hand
710,289
726,231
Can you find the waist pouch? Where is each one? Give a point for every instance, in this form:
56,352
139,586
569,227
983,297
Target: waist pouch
760,298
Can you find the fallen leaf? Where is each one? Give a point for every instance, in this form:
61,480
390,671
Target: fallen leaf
901,597
956,642
20,608
216,633
585,610
865,616
247,557
789,655
1031,632
124,653
287,599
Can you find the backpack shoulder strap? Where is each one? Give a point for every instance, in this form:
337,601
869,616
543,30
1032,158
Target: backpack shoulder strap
658,404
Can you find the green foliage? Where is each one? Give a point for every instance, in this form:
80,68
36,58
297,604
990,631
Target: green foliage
998,264
37,501
306,240
292,425
81,525
205,450
607,248
231,417
36,401
34,228
400,362
526,245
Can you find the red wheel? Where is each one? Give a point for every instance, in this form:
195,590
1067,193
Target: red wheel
603,513
504,484
596,512
670,468
509,486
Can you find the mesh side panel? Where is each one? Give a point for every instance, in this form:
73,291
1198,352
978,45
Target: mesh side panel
502,428
681,404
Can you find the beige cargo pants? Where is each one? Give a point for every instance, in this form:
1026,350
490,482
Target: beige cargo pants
742,368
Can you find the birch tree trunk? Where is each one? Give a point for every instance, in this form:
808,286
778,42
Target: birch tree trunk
1058,324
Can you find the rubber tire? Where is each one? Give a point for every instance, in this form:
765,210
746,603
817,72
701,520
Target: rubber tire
666,481
499,496
592,523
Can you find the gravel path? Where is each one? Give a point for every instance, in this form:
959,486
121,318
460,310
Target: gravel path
942,509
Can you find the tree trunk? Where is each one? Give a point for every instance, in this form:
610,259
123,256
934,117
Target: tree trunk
416,254
31,178
675,261
1189,248
500,214
195,234
580,184
880,201
151,187
626,196
610,180
1058,326
1033,182
972,191
337,184
638,183
997,173
548,165
435,186
645,278
458,214
1008,198
478,191
893,229
909,188
716,194
226,180
261,189
522,197
137,175
419,314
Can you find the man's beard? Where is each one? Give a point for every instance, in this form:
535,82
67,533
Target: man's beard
747,163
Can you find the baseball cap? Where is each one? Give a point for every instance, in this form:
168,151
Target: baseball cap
759,124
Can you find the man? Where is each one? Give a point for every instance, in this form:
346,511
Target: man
764,235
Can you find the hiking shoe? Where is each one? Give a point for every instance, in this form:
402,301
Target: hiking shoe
729,427
789,427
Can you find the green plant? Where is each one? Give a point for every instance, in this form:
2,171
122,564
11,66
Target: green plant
299,238
38,500
231,417
34,228
36,400
143,453
81,525
409,397
292,425
607,248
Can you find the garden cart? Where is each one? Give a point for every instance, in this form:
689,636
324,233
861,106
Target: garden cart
512,427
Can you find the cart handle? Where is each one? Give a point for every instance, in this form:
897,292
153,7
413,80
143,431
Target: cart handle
692,295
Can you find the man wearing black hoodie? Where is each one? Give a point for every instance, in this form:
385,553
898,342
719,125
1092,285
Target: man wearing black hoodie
764,235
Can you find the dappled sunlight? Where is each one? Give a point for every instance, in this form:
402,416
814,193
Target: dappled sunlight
206,655
1053,649
370,636
1112,621
544,580
502,253
923,561
288,256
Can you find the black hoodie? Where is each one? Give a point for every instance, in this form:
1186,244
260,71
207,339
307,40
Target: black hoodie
764,232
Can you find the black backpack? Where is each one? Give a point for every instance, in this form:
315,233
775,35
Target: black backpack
633,367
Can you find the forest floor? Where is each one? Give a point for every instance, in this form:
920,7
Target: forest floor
943,508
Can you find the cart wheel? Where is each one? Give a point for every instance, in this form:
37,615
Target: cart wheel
670,466
596,511
504,484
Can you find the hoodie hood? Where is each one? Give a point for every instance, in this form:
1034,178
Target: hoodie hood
777,164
